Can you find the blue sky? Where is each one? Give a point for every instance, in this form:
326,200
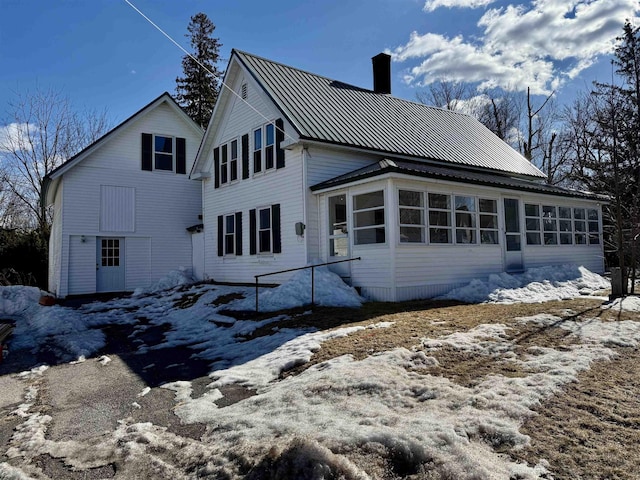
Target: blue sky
104,55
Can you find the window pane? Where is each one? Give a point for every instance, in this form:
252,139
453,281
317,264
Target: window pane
488,221
371,217
338,247
268,157
533,224
368,200
224,155
369,235
489,237
580,226
550,239
579,213
411,199
592,214
412,234
581,239
230,222
465,220
164,161
229,242
564,212
466,204
513,243
511,215
594,239
411,217
265,218
338,214
437,200
269,139
549,211
465,235
549,224
533,238
441,219
531,210
565,225
257,139
488,206
164,144
593,227
440,235
565,239
234,149
264,240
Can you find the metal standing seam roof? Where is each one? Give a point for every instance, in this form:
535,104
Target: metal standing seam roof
425,170
326,110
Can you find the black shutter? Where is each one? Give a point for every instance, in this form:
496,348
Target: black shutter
275,228
181,156
252,232
147,151
245,156
279,139
220,235
216,167
238,233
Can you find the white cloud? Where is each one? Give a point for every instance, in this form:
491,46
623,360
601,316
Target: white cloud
14,136
431,5
539,45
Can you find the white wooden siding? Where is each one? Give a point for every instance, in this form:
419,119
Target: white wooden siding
165,203
55,244
117,208
137,262
279,186
82,264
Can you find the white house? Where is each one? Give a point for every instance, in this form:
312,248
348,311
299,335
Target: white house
122,206
298,168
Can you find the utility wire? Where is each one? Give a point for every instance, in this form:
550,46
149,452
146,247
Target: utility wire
205,67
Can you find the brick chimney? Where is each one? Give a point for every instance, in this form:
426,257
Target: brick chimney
382,73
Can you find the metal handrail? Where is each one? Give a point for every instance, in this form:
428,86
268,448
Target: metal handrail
312,267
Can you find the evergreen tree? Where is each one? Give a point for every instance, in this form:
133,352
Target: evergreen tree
197,91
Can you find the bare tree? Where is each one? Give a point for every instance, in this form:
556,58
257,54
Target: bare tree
446,94
41,132
502,114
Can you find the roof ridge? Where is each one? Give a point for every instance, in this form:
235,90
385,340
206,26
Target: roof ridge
363,89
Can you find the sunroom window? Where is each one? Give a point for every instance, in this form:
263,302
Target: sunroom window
368,218
440,218
411,214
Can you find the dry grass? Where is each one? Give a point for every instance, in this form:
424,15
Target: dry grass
590,430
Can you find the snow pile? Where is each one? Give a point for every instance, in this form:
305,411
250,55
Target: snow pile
330,291
624,304
535,285
15,299
175,278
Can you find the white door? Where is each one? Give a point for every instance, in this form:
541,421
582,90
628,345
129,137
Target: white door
110,265
513,236
338,235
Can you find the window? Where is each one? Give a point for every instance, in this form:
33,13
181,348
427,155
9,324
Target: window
110,255
562,225
264,140
233,164
488,221
465,219
550,224
228,164
439,218
230,234
532,224
163,152
411,215
368,218
264,224
224,161
594,226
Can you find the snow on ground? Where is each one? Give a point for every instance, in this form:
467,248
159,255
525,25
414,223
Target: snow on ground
534,285
382,403
627,304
